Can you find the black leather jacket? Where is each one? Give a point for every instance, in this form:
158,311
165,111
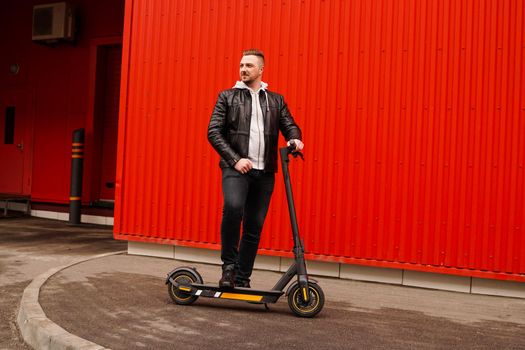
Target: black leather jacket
229,128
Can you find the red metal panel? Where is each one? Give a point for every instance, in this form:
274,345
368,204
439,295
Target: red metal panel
413,118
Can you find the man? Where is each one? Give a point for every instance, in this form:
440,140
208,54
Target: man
244,130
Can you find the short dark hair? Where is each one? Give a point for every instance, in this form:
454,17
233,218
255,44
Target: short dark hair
254,52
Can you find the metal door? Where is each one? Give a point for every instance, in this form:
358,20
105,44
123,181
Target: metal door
15,141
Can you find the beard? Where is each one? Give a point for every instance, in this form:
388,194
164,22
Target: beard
246,78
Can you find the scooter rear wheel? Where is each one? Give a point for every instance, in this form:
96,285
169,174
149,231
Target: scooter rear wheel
184,278
303,308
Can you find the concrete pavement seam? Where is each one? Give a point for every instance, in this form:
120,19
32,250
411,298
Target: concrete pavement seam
39,331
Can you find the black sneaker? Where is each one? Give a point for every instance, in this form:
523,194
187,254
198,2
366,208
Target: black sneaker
228,277
242,284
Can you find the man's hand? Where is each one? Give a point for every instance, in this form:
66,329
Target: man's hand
243,165
299,145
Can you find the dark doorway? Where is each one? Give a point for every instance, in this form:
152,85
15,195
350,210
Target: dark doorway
107,92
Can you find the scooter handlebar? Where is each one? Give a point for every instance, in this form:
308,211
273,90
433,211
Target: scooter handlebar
293,151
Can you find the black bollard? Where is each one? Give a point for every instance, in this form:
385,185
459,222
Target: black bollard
77,165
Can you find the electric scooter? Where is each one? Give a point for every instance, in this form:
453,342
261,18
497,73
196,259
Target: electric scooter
305,296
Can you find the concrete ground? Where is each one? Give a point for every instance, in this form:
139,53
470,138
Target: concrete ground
31,246
121,302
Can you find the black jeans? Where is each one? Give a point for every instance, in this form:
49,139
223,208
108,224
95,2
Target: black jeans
246,199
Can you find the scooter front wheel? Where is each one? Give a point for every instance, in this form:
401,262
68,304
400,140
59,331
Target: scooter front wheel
183,278
302,308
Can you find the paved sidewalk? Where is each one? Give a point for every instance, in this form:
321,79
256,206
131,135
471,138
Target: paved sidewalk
31,246
121,302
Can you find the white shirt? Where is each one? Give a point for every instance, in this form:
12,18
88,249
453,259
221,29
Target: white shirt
256,144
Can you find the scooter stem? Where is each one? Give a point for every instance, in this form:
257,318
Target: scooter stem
302,276
285,152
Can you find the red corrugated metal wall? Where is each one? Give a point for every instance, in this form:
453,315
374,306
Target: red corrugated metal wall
413,115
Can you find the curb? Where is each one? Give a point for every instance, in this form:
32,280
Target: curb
39,331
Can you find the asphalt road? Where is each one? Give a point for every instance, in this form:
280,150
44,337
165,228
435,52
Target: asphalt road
121,302
31,246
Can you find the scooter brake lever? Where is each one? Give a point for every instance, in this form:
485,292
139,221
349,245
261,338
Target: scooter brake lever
298,153
294,152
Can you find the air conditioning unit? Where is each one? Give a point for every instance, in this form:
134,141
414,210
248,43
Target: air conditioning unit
53,22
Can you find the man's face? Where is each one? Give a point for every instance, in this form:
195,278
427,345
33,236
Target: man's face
250,69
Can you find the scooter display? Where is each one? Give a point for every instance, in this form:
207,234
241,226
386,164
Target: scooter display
305,296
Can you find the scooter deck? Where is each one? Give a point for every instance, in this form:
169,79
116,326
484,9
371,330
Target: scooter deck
245,294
